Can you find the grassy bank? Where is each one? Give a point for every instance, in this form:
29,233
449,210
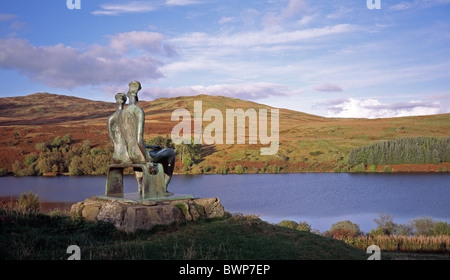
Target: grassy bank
236,237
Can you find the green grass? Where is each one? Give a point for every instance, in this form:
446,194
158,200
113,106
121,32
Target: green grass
237,237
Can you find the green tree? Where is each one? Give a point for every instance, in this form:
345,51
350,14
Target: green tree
288,224
239,169
41,147
3,172
97,152
442,228
344,230
86,147
304,226
31,158
56,142
404,230
157,141
423,226
385,223
189,153
75,166
67,139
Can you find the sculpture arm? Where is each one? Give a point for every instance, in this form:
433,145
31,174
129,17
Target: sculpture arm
140,134
110,131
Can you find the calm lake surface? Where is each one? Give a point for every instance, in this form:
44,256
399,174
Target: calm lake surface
320,199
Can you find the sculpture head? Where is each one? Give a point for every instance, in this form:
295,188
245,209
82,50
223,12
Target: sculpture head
134,87
121,98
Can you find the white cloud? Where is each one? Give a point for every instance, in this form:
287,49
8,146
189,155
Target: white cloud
225,20
293,9
258,38
247,91
372,108
180,2
328,88
152,42
406,5
62,66
7,17
132,7
138,7
402,6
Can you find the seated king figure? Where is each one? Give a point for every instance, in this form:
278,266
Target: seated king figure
131,121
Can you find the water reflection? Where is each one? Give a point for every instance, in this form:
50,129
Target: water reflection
321,199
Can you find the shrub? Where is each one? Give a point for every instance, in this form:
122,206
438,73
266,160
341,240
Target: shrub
344,230
3,172
387,169
442,228
207,168
31,158
41,147
224,170
423,226
376,232
304,226
288,224
403,230
28,203
359,168
239,169
385,224
56,142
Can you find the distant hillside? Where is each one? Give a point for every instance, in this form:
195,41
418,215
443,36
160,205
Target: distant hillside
308,143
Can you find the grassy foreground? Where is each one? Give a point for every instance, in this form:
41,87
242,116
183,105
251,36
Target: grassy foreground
236,237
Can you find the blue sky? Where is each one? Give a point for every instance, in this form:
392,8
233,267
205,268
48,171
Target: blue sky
323,57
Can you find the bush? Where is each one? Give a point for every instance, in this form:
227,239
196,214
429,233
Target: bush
28,203
31,158
3,172
359,168
224,170
288,224
387,169
239,169
385,224
442,228
423,226
304,226
403,230
344,230
56,142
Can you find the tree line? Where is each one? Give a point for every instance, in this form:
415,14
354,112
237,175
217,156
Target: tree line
62,155
414,150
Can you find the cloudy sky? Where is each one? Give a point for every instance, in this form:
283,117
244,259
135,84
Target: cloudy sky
323,57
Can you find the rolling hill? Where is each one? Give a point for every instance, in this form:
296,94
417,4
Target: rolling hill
307,143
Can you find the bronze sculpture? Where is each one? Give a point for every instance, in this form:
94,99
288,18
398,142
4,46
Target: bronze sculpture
126,131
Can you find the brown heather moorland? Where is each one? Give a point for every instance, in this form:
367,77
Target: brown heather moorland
308,143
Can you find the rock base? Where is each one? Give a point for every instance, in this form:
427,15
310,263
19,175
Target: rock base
129,215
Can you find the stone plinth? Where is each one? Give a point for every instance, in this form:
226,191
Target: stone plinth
129,215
